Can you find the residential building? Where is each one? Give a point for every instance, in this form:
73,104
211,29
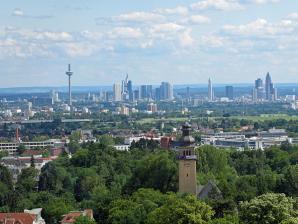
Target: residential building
71,217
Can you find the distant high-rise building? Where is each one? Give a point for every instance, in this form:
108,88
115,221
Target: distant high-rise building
130,91
259,83
157,94
117,92
271,93
268,86
149,92
188,93
210,91
136,94
254,95
166,91
143,93
146,92
258,91
230,92
124,89
55,97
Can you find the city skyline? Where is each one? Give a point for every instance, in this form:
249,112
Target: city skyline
181,41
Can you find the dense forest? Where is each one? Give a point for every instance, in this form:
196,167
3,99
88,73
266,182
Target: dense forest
140,186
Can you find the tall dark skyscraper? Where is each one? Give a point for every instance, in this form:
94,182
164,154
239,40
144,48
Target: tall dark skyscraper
157,93
130,91
259,83
230,92
143,92
146,92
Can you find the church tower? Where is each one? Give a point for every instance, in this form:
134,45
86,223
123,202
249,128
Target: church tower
187,162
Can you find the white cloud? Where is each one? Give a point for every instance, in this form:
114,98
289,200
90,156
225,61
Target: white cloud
264,1
186,39
18,12
54,36
180,10
261,27
125,33
166,27
225,5
293,16
79,49
196,19
212,41
139,17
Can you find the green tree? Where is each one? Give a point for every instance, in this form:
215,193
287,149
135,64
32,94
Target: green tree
185,210
54,209
84,220
267,209
124,211
27,181
158,171
290,181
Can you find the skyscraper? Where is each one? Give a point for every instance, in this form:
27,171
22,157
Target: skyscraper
146,92
188,93
117,92
124,89
143,93
166,91
268,86
258,91
210,91
269,89
130,91
69,73
230,92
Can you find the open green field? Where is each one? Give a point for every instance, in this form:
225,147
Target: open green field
263,117
266,117
153,120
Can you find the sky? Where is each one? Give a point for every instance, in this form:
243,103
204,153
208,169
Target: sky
180,41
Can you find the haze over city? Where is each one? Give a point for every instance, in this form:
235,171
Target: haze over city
185,42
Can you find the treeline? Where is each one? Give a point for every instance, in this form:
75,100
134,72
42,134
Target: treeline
140,186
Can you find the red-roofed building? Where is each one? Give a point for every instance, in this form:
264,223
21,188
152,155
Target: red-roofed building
71,217
27,217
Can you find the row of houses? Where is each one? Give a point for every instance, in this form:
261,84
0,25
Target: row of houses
34,217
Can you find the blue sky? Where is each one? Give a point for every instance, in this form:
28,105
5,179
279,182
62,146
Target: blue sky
184,42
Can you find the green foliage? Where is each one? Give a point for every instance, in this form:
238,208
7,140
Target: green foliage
290,181
267,209
55,208
126,211
157,170
27,181
184,210
84,220
133,186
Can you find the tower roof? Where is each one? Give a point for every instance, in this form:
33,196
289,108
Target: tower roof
187,139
